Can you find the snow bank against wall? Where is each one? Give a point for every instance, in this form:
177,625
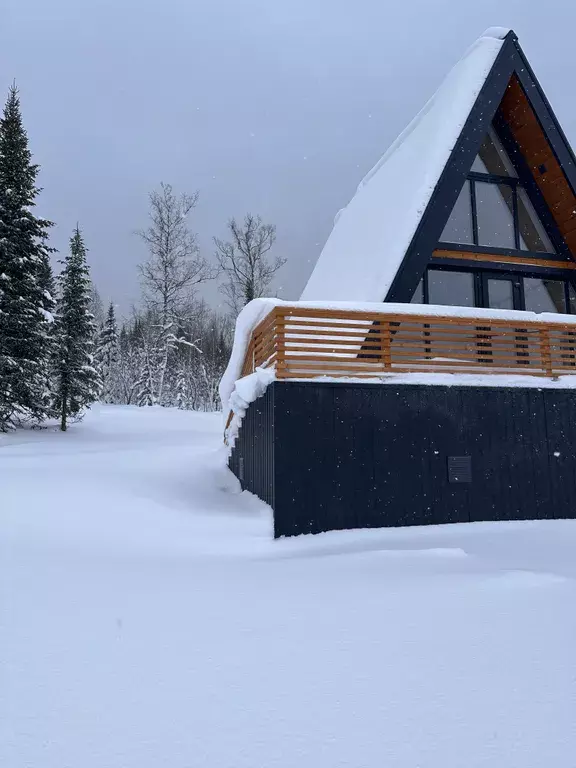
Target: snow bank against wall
247,320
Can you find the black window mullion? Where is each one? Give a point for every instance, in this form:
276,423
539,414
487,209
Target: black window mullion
567,307
474,212
425,295
492,178
479,297
518,288
515,215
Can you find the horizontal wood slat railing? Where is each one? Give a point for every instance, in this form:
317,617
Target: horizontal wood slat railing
307,343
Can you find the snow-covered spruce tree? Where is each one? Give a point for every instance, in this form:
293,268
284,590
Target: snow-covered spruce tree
107,356
77,383
25,279
182,387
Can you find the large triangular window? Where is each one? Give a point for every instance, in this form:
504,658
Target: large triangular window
493,209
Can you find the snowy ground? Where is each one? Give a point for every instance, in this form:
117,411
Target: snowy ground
148,620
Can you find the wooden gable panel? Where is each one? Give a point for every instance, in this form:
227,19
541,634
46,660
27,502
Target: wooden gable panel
501,258
530,137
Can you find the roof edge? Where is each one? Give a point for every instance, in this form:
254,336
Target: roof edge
498,33
475,125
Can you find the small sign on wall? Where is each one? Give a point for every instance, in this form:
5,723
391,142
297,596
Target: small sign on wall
459,469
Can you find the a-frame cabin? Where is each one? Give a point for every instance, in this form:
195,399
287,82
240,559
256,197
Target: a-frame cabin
456,256
474,205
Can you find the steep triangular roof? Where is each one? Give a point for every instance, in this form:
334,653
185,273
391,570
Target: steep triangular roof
383,239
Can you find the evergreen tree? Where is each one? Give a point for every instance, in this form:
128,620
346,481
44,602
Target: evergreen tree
25,279
47,283
107,355
182,388
77,381
48,288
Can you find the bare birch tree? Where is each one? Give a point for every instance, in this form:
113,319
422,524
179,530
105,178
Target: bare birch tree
245,262
175,267
173,271
96,306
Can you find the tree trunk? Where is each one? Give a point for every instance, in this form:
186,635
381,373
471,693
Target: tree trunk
163,366
63,412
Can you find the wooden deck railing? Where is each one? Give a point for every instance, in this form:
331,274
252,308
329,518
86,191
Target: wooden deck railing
307,343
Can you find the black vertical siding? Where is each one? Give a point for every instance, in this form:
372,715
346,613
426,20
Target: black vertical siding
339,455
304,460
560,416
252,457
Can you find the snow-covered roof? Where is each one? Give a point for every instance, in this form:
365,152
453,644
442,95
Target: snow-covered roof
371,235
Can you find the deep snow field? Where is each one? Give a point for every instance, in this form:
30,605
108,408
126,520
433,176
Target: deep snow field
148,620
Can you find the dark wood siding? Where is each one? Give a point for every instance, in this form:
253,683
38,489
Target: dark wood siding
252,457
339,455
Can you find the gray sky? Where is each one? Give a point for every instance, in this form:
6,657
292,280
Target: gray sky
277,107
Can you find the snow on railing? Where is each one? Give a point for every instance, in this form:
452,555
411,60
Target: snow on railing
307,340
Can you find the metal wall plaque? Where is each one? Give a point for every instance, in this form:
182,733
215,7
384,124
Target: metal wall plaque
459,469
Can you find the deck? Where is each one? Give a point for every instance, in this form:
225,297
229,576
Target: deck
304,343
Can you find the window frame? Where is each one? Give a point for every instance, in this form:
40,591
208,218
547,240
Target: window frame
488,178
475,177
481,275
556,240
471,272
551,278
525,181
517,288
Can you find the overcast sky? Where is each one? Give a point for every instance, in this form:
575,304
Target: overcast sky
277,107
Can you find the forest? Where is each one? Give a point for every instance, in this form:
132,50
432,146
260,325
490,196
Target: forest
62,347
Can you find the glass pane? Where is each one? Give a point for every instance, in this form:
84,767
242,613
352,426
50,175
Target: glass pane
533,236
454,289
500,294
418,297
478,165
493,158
458,229
572,299
494,205
544,295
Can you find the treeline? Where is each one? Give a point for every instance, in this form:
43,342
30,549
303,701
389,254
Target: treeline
145,362
60,350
